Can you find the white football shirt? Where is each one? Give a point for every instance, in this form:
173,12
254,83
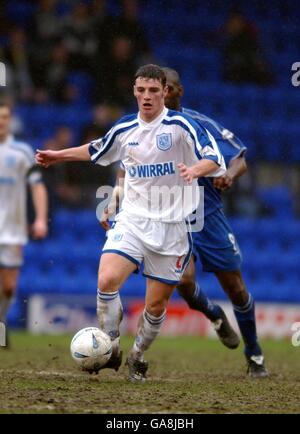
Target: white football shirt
150,153
16,161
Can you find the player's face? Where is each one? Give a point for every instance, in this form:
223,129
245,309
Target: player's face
5,118
174,93
150,95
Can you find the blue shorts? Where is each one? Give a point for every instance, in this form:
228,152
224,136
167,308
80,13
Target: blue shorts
216,245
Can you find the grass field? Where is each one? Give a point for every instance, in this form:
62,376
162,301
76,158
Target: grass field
186,375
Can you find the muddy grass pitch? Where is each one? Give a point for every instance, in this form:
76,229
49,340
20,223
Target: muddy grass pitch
186,375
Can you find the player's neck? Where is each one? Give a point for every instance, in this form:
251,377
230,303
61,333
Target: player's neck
174,104
3,138
150,118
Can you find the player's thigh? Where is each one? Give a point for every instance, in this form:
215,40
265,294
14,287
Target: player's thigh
157,296
189,274
216,245
114,269
8,280
11,256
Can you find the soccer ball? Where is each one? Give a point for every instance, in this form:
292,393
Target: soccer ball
91,349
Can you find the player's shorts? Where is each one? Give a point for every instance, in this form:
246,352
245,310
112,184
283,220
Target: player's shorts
11,256
216,244
163,248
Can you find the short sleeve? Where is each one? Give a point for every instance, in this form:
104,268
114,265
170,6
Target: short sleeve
205,146
109,149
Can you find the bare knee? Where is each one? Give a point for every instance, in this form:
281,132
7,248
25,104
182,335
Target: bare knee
237,292
157,308
235,288
8,282
8,291
8,286
108,282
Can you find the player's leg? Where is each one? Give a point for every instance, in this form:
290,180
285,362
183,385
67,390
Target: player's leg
149,325
114,269
163,273
189,289
196,298
220,254
11,259
244,309
121,256
8,284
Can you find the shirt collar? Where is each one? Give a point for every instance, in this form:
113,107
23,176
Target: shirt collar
155,121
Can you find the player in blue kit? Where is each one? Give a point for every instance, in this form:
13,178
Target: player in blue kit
216,244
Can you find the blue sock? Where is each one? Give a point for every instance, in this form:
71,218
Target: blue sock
245,316
199,301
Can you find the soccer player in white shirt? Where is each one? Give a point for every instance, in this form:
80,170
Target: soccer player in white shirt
159,148
17,168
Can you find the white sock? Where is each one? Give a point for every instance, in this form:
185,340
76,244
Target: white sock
5,303
148,328
110,314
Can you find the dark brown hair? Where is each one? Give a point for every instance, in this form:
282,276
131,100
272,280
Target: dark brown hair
151,71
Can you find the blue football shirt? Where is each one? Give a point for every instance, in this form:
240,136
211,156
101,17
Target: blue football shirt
230,146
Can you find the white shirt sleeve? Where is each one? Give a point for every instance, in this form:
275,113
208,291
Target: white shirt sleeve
205,147
106,150
109,148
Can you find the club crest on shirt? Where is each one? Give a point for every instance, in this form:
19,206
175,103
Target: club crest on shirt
164,141
117,237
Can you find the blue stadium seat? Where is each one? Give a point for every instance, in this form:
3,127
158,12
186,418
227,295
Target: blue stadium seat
16,317
278,199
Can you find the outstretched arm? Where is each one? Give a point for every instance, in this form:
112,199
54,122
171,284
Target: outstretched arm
237,167
48,157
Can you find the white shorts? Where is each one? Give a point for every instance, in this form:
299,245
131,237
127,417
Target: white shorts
11,256
164,248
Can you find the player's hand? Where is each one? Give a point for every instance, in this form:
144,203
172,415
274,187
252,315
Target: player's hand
46,158
39,230
104,220
108,212
186,172
223,182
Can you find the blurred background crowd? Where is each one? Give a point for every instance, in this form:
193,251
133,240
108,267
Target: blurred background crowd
70,65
